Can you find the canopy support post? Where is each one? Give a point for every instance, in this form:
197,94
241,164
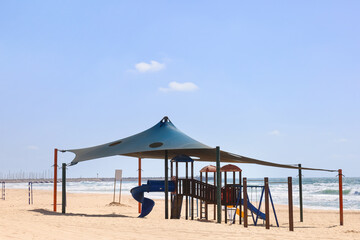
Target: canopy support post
215,204
64,188
206,204
341,198
290,199
192,190
187,191
218,185
240,198
300,195
171,194
55,177
139,183
225,195
166,186
245,203
267,208
201,204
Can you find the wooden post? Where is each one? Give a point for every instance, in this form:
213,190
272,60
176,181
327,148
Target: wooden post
214,204
291,214
240,198
341,198
171,194
200,195
234,197
187,192
64,188
300,195
166,186
218,185
55,177
139,183
245,203
267,208
225,195
178,185
192,190
206,204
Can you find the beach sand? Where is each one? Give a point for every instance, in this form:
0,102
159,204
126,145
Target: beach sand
89,216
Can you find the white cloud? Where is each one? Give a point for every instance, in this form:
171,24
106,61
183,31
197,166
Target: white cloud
180,87
274,132
153,66
32,147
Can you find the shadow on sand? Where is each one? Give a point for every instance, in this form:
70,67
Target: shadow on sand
52,213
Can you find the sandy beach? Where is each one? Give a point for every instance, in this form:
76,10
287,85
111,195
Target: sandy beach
89,216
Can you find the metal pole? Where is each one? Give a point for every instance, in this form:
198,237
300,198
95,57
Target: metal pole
201,215
178,213
300,195
218,185
166,186
267,208
55,177
291,214
214,204
192,190
171,195
29,192
225,195
187,191
139,183
341,198
245,203
206,204
63,187
240,198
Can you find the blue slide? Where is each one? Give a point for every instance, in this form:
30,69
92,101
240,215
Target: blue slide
151,186
253,209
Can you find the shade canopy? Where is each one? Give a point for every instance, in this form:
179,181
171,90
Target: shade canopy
153,142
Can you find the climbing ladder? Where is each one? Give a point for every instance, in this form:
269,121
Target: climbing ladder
203,210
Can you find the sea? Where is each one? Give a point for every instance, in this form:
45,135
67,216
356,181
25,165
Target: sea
318,193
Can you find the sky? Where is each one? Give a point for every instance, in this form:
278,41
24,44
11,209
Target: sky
273,80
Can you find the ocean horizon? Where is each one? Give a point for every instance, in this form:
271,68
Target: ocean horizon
318,193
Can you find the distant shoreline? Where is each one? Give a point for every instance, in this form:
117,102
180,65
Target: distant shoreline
111,179
48,180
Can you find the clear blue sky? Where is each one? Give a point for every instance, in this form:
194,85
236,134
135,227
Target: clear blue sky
273,80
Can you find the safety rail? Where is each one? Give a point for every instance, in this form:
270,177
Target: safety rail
207,192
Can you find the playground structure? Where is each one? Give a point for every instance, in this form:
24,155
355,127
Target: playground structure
191,189
165,141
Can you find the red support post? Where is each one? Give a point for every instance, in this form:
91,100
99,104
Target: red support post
139,183
55,177
341,198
